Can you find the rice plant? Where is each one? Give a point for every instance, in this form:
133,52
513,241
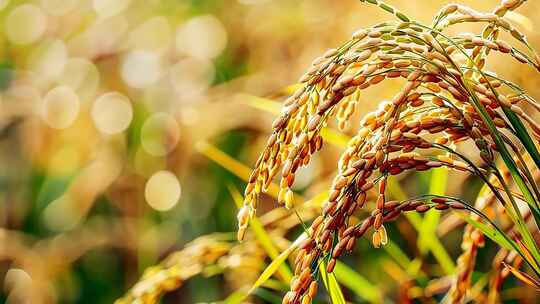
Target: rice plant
448,97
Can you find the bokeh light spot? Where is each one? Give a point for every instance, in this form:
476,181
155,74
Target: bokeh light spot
59,215
162,191
17,282
81,75
108,8
153,35
190,116
112,113
60,107
141,69
190,77
202,36
48,60
58,7
25,24
3,4
16,277
160,134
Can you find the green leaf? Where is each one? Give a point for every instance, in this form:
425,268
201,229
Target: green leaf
492,233
261,103
357,283
397,254
430,223
523,135
232,165
236,297
331,285
239,296
529,145
427,238
434,244
276,263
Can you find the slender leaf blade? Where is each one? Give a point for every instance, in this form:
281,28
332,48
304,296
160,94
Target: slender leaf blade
491,233
357,283
276,263
331,285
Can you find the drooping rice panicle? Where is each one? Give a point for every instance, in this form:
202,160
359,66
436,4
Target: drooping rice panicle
176,269
443,101
471,238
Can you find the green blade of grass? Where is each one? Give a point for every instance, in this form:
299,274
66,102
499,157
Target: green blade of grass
276,263
437,186
357,283
335,290
239,295
433,243
523,135
414,268
491,233
235,167
235,298
268,296
331,285
500,237
261,103
397,254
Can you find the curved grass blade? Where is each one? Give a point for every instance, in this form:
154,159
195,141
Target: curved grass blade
491,233
331,285
437,186
276,263
434,244
357,283
236,297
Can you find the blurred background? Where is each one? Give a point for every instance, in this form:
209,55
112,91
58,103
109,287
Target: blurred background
126,125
